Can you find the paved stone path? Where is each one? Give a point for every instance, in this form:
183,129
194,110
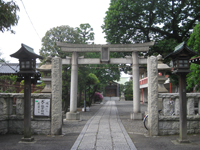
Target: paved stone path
104,131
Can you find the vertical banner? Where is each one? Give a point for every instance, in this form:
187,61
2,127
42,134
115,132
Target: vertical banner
42,107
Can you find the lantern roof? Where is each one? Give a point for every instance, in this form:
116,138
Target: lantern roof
25,52
180,49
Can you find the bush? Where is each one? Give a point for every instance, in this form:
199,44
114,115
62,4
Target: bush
98,97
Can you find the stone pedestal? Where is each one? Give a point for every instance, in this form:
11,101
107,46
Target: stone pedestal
136,116
73,116
31,139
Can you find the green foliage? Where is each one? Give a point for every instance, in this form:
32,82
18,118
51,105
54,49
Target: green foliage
40,87
193,78
63,34
8,15
92,79
143,20
128,92
85,33
10,81
163,47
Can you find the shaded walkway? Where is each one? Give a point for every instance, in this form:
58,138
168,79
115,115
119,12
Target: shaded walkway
104,131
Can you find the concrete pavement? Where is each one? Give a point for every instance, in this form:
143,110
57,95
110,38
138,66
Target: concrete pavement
104,131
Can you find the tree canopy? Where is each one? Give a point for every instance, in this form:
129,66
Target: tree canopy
132,21
8,15
64,34
85,33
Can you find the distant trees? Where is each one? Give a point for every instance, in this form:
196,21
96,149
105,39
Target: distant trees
8,15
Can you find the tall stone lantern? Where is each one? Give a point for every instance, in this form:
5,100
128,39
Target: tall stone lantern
162,69
181,67
46,70
27,62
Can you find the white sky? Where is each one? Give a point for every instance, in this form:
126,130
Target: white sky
46,14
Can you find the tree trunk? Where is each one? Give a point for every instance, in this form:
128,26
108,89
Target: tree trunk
79,97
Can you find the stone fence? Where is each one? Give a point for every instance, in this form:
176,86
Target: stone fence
48,122
168,119
12,114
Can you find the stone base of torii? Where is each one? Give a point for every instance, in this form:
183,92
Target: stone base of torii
105,59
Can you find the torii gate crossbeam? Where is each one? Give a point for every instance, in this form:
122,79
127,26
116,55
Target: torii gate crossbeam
74,61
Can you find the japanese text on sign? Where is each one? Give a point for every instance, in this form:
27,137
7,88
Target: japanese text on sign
42,107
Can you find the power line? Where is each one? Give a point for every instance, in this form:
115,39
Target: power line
30,20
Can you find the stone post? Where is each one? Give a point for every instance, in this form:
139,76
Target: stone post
166,107
177,107
190,106
73,114
27,109
183,109
136,88
56,103
152,95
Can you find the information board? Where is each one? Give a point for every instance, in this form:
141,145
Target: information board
42,107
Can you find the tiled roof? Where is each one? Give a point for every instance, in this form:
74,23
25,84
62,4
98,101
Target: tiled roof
10,68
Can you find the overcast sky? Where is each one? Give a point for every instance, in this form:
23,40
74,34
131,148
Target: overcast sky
46,14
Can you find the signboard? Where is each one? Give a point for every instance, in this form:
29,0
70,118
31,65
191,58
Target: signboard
42,107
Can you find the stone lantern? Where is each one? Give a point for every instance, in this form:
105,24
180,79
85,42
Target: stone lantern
180,58
27,71
46,70
162,69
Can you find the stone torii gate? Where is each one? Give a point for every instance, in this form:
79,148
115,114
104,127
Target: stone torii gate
105,58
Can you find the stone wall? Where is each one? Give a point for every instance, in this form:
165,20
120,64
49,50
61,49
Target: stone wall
169,124
12,114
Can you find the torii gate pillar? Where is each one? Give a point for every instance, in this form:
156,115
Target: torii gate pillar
73,114
136,87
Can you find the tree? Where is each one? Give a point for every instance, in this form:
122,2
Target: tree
8,15
133,21
91,79
64,34
85,33
193,78
128,90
